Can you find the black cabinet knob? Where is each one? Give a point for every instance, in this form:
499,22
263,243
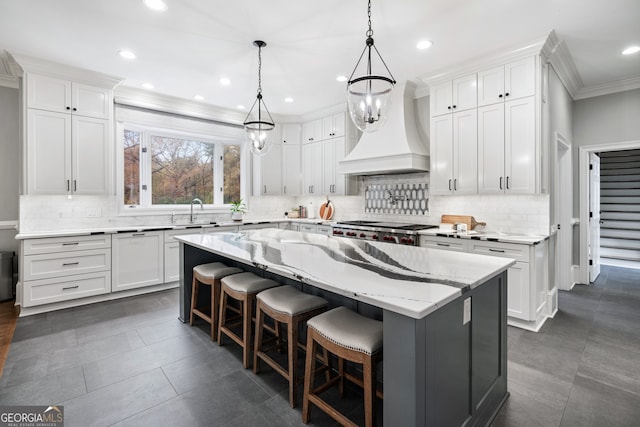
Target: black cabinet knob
500,96
75,109
68,108
506,94
454,106
449,107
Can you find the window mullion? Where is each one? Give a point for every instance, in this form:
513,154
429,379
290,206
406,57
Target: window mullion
145,170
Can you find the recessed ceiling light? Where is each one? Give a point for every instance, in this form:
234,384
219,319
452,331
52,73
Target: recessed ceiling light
341,78
147,85
631,50
127,54
158,5
424,44
241,107
199,98
225,81
288,99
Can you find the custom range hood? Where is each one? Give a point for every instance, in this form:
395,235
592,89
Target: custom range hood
396,147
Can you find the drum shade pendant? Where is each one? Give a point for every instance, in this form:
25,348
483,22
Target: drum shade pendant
368,95
259,125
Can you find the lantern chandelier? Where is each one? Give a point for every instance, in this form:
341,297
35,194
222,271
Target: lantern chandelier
368,95
259,127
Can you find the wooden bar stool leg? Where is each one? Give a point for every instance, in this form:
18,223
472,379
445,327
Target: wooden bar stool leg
246,333
215,306
221,318
292,350
258,340
369,393
341,370
194,297
309,375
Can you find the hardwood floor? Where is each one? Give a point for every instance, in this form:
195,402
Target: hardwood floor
8,317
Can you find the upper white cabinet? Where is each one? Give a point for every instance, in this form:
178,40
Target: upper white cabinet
454,153
514,80
312,131
455,95
291,159
492,146
312,168
506,147
333,126
63,96
68,136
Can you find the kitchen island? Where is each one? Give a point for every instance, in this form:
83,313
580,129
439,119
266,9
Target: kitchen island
444,314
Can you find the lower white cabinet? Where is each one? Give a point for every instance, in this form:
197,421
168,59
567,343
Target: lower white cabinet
138,260
64,268
172,253
527,279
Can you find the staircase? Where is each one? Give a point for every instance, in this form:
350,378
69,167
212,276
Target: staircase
620,208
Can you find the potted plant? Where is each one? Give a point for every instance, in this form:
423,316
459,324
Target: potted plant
238,209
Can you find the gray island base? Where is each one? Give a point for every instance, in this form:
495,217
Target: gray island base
444,314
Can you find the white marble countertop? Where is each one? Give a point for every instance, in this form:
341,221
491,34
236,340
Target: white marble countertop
409,280
523,239
140,228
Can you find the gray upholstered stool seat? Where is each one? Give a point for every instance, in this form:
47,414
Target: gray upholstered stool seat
285,305
209,275
351,337
242,287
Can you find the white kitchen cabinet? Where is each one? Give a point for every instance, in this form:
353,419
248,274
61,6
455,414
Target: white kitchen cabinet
454,149
444,243
507,147
455,95
333,126
307,228
67,154
312,131
333,151
272,171
64,96
256,226
312,168
526,280
64,268
507,82
137,260
172,253
291,159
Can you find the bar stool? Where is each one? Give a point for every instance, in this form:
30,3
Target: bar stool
351,337
242,287
285,304
209,275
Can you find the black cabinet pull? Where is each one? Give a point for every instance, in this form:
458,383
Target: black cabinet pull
501,183
70,263
75,109
455,184
449,185
70,287
443,244
496,250
507,183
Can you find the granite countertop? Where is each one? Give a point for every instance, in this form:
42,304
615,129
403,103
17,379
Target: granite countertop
526,239
409,280
141,228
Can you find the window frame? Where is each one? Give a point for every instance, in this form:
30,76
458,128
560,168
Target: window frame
218,139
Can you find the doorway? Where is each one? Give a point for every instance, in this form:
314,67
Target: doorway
587,233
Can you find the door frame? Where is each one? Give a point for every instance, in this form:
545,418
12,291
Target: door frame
563,206
583,158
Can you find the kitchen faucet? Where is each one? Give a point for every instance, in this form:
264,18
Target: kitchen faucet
196,200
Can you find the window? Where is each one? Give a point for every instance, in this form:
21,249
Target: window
168,168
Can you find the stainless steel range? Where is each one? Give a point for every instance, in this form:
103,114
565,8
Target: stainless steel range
390,232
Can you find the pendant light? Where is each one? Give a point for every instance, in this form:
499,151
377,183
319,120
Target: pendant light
368,95
260,126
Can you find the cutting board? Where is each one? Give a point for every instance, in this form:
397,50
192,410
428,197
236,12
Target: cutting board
461,219
326,210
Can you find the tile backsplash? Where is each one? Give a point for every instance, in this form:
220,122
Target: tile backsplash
397,195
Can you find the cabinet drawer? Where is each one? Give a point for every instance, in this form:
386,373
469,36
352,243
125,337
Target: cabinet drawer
223,229
66,244
170,234
308,228
444,243
324,229
46,291
505,250
61,264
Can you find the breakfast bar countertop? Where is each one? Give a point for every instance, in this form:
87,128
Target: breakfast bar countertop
408,280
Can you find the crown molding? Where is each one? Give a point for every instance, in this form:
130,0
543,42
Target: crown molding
8,72
140,98
486,61
562,62
607,88
29,64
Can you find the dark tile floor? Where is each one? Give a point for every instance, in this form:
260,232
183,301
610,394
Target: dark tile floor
132,363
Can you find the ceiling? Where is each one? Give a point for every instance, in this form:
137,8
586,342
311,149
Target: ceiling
188,48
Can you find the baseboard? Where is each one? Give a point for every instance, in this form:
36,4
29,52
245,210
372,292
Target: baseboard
552,302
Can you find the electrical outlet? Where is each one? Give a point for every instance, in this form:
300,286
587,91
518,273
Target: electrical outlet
94,212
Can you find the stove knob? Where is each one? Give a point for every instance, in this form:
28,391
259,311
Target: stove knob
409,241
338,232
403,240
374,236
351,233
363,235
386,238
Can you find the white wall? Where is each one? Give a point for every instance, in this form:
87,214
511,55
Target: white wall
9,146
602,120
